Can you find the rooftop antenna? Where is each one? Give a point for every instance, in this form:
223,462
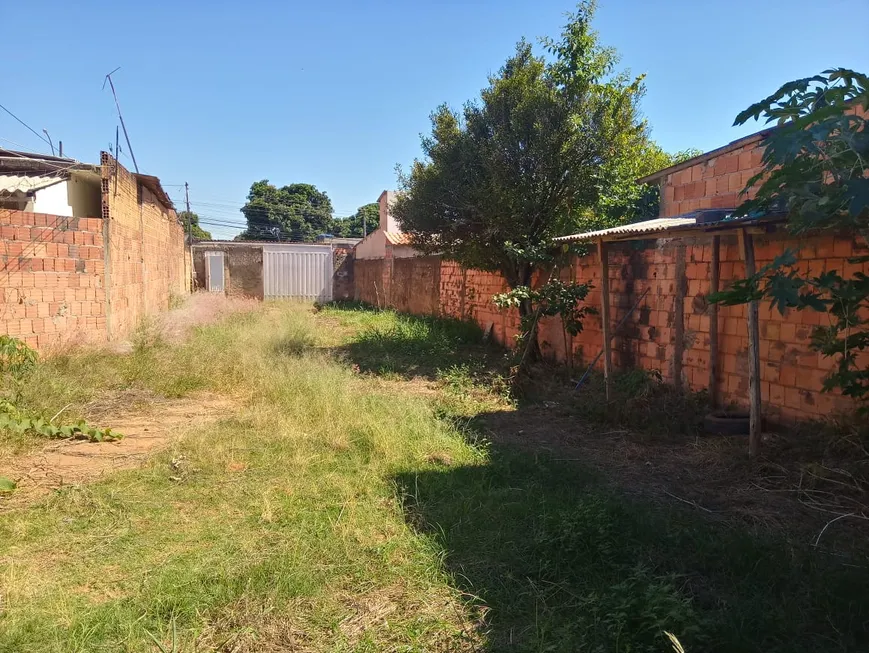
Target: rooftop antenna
120,116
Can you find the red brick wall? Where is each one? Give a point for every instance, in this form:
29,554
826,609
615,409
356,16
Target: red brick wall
791,374
51,277
145,256
675,270
467,295
714,183
90,279
368,281
415,285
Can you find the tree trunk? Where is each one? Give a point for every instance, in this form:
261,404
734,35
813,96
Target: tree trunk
521,274
530,346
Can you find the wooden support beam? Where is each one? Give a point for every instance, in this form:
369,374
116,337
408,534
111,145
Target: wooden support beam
746,240
602,252
714,283
679,315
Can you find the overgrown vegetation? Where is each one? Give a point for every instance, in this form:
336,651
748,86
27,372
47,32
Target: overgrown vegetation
17,365
349,506
816,168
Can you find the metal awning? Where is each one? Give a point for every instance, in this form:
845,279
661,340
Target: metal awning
712,220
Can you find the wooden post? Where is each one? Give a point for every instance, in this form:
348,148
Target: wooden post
679,315
713,322
747,242
605,316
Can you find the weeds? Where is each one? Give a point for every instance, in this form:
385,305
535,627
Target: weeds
336,512
641,401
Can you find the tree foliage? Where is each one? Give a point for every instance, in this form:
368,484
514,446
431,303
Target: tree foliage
297,212
549,146
364,221
195,229
816,167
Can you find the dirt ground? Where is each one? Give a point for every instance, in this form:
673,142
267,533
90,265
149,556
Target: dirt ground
150,426
818,502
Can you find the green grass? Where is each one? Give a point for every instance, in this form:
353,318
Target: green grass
346,508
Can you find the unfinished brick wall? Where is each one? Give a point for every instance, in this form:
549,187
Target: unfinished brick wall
791,373
145,253
675,315
90,279
467,295
714,181
51,277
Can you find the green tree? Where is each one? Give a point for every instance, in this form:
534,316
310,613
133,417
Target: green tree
198,232
364,221
816,168
297,212
530,160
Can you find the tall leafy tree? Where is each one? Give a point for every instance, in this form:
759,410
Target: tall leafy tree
297,212
531,159
364,221
195,230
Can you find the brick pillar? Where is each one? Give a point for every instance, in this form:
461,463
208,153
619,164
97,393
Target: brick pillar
388,269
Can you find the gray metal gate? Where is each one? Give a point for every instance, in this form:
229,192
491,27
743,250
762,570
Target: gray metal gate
298,272
214,272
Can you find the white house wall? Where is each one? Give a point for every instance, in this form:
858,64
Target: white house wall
53,200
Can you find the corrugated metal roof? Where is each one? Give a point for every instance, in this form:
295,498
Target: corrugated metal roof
646,227
11,184
709,220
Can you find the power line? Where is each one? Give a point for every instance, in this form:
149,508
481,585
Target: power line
39,136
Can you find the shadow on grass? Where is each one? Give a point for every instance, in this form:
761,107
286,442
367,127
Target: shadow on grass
558,561
391,343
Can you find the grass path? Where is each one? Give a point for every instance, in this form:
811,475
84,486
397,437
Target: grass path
349,505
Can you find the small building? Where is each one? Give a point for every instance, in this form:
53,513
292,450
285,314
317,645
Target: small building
387,241
273,270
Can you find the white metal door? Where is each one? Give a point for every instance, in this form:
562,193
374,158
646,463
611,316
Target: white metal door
298,272
214,272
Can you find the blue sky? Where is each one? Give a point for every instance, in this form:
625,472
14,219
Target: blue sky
336,93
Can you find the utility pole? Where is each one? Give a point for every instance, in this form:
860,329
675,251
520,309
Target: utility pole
123,126
189,235
189,222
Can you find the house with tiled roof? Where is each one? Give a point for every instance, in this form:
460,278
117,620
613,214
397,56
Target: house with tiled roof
387,241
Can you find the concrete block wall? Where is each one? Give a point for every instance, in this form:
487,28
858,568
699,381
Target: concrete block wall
52,278
242,268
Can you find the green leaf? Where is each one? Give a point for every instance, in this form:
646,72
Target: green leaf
7,484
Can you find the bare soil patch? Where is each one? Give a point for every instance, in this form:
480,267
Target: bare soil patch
710,474
147,426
